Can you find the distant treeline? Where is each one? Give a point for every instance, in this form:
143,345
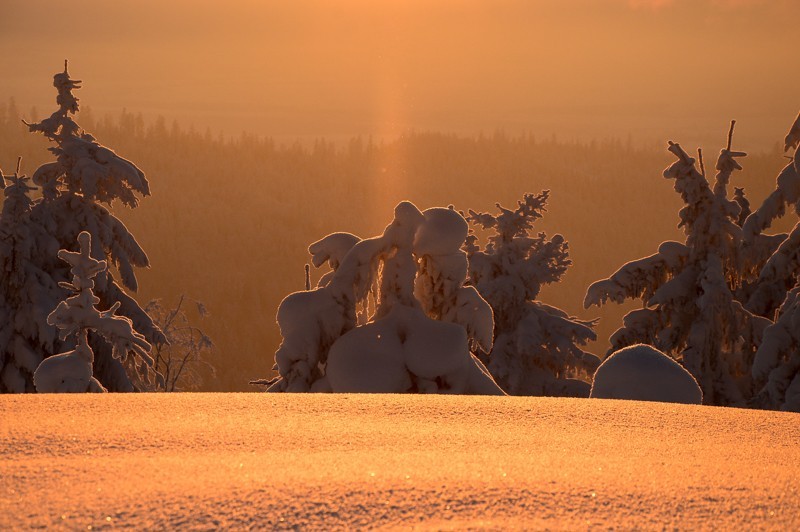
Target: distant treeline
230,219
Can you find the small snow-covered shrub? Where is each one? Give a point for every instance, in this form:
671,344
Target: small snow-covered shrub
392,316
643,373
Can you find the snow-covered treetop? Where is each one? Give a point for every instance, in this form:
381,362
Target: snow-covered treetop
706,212
528,261
83,166
16,193
510,224
787,191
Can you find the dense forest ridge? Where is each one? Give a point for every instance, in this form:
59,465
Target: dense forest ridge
269,188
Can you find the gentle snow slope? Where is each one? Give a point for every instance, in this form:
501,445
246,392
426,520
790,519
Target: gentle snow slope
328,461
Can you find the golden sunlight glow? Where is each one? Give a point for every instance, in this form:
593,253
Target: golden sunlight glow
583,68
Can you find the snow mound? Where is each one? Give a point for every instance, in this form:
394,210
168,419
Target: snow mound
643,373
69,372
407,351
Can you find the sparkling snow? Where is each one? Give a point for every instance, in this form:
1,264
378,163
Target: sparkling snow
304,461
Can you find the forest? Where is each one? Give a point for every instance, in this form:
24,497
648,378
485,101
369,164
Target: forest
230,219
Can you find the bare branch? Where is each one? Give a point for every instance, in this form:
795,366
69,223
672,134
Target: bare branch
730,134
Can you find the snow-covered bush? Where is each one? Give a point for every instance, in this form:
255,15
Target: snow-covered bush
83,175
72,371
537,346
642,373
687,288
393,316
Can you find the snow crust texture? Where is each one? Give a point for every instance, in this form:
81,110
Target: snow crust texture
330,462
642,373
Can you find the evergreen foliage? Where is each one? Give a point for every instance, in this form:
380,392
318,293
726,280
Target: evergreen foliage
83,175
690,311
537,347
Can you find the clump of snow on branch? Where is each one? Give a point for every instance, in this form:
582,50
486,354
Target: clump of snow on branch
690,311
392,316
83,174
643,373
537,346
74,318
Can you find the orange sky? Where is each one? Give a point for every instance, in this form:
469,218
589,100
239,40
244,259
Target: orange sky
653,69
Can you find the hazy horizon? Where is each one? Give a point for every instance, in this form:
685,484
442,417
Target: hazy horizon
650,70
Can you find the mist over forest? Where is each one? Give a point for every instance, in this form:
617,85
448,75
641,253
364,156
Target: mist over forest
230,219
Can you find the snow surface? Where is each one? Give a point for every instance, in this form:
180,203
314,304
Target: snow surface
643,373
305,461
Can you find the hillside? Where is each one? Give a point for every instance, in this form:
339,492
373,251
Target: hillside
445,462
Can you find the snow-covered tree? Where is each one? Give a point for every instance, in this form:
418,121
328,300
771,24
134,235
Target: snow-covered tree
393,316
25,284
780,271
690,311
537,347
72,371
777,363
84,175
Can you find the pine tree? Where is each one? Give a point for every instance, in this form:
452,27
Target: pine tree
537,346
690,311
75,317
84,175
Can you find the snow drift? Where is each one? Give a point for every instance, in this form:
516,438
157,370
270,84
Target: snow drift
643,373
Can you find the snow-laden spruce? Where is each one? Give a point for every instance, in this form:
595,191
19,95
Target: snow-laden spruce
83,175
392,316
75,317
25,281
687,288
642,373
780,272
537,346
776,369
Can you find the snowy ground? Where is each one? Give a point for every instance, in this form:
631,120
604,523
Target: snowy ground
323,461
